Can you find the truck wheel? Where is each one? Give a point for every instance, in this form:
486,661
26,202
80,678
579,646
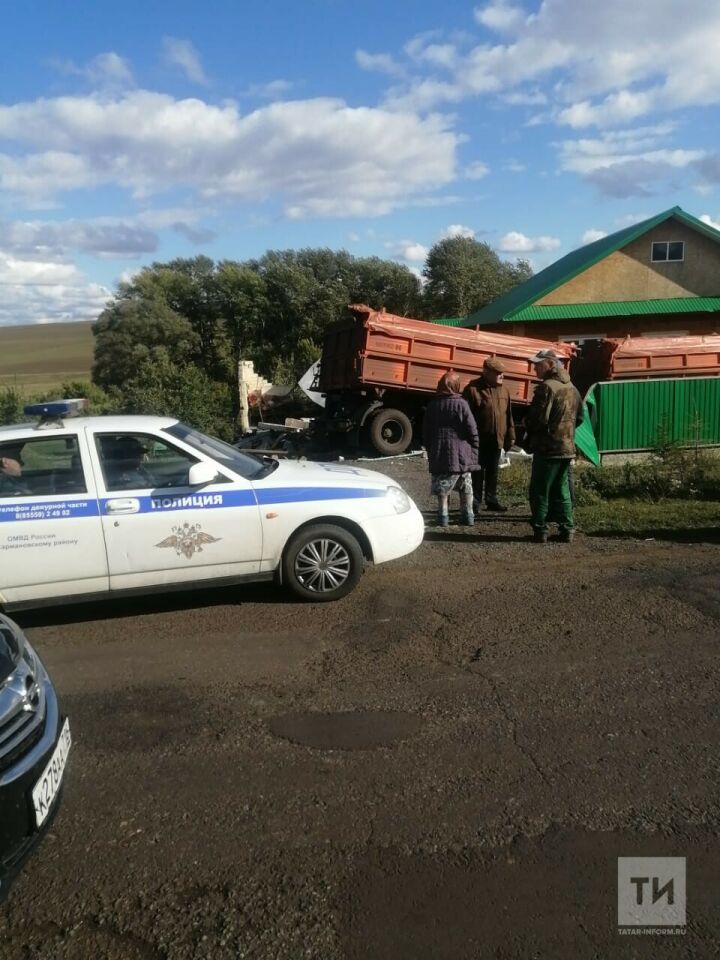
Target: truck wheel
322,562
391,432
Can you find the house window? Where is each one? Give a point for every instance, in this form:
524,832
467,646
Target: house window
664,251
582,337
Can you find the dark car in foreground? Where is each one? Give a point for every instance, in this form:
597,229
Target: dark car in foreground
34,746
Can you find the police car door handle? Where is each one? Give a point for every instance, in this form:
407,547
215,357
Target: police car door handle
125,505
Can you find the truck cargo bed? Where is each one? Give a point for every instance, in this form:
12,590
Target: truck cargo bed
648,357
381,350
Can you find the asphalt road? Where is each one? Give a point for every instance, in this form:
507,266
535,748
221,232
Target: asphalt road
447,764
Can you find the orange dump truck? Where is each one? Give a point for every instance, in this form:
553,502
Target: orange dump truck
637,358
646,358
378,370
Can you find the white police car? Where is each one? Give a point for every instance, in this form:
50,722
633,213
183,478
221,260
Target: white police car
94,505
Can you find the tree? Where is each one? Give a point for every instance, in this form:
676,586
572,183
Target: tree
188,287
463,275
129,333
184,391
383,283
242,305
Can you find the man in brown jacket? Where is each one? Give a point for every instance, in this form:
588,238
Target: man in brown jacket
489,401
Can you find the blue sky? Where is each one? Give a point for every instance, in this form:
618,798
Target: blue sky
141,132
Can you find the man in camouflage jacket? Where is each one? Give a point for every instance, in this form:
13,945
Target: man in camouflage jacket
555,412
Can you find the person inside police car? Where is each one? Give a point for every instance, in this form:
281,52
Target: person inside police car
124,461
11,470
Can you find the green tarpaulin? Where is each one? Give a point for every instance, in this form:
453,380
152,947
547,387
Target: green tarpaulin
585,435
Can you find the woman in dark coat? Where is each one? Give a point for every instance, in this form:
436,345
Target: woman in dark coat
451,440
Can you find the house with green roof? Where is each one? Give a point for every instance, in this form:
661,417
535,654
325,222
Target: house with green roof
658,277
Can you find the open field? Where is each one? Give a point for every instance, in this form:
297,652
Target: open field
41,356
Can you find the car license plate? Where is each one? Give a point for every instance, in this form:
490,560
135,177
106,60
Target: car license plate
45,790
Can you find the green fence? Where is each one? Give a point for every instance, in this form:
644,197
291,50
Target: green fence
641,414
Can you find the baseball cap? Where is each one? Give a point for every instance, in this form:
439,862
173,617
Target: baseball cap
494,363
545,355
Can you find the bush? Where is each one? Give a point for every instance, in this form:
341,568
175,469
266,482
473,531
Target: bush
677,474
183,391
11,405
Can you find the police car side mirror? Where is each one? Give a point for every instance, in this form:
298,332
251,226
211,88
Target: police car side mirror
201,473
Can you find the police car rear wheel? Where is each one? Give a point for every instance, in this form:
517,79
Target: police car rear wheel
322,562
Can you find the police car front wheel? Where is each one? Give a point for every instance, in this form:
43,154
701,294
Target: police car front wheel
322,562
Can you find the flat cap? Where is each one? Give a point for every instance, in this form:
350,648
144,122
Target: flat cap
494,363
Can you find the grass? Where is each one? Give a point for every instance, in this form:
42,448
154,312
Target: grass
660,520
38,358
675,496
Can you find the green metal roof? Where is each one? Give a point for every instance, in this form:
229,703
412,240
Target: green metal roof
618,308
450,321
511,303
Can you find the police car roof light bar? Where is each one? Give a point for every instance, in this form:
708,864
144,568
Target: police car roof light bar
53,412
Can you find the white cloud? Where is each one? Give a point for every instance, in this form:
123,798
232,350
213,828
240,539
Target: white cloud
273,90
38,291
38,177
626,163
477,170
628,219
320,156
591,235
703,189
182,54
586,156
196,235
378,63
408,251
422,50
106,70
600,63
501,16
423,95
515,242
514,166
618,108
706,218
101,237
457,230
525,98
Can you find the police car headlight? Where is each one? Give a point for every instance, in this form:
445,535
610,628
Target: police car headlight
399,499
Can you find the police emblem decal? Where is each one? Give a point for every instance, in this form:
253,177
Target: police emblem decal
187,539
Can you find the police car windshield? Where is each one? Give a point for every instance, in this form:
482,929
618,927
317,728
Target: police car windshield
247,465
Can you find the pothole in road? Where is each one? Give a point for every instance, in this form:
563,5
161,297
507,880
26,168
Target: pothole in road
347,730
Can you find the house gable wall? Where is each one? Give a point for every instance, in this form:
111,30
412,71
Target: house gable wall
628,274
